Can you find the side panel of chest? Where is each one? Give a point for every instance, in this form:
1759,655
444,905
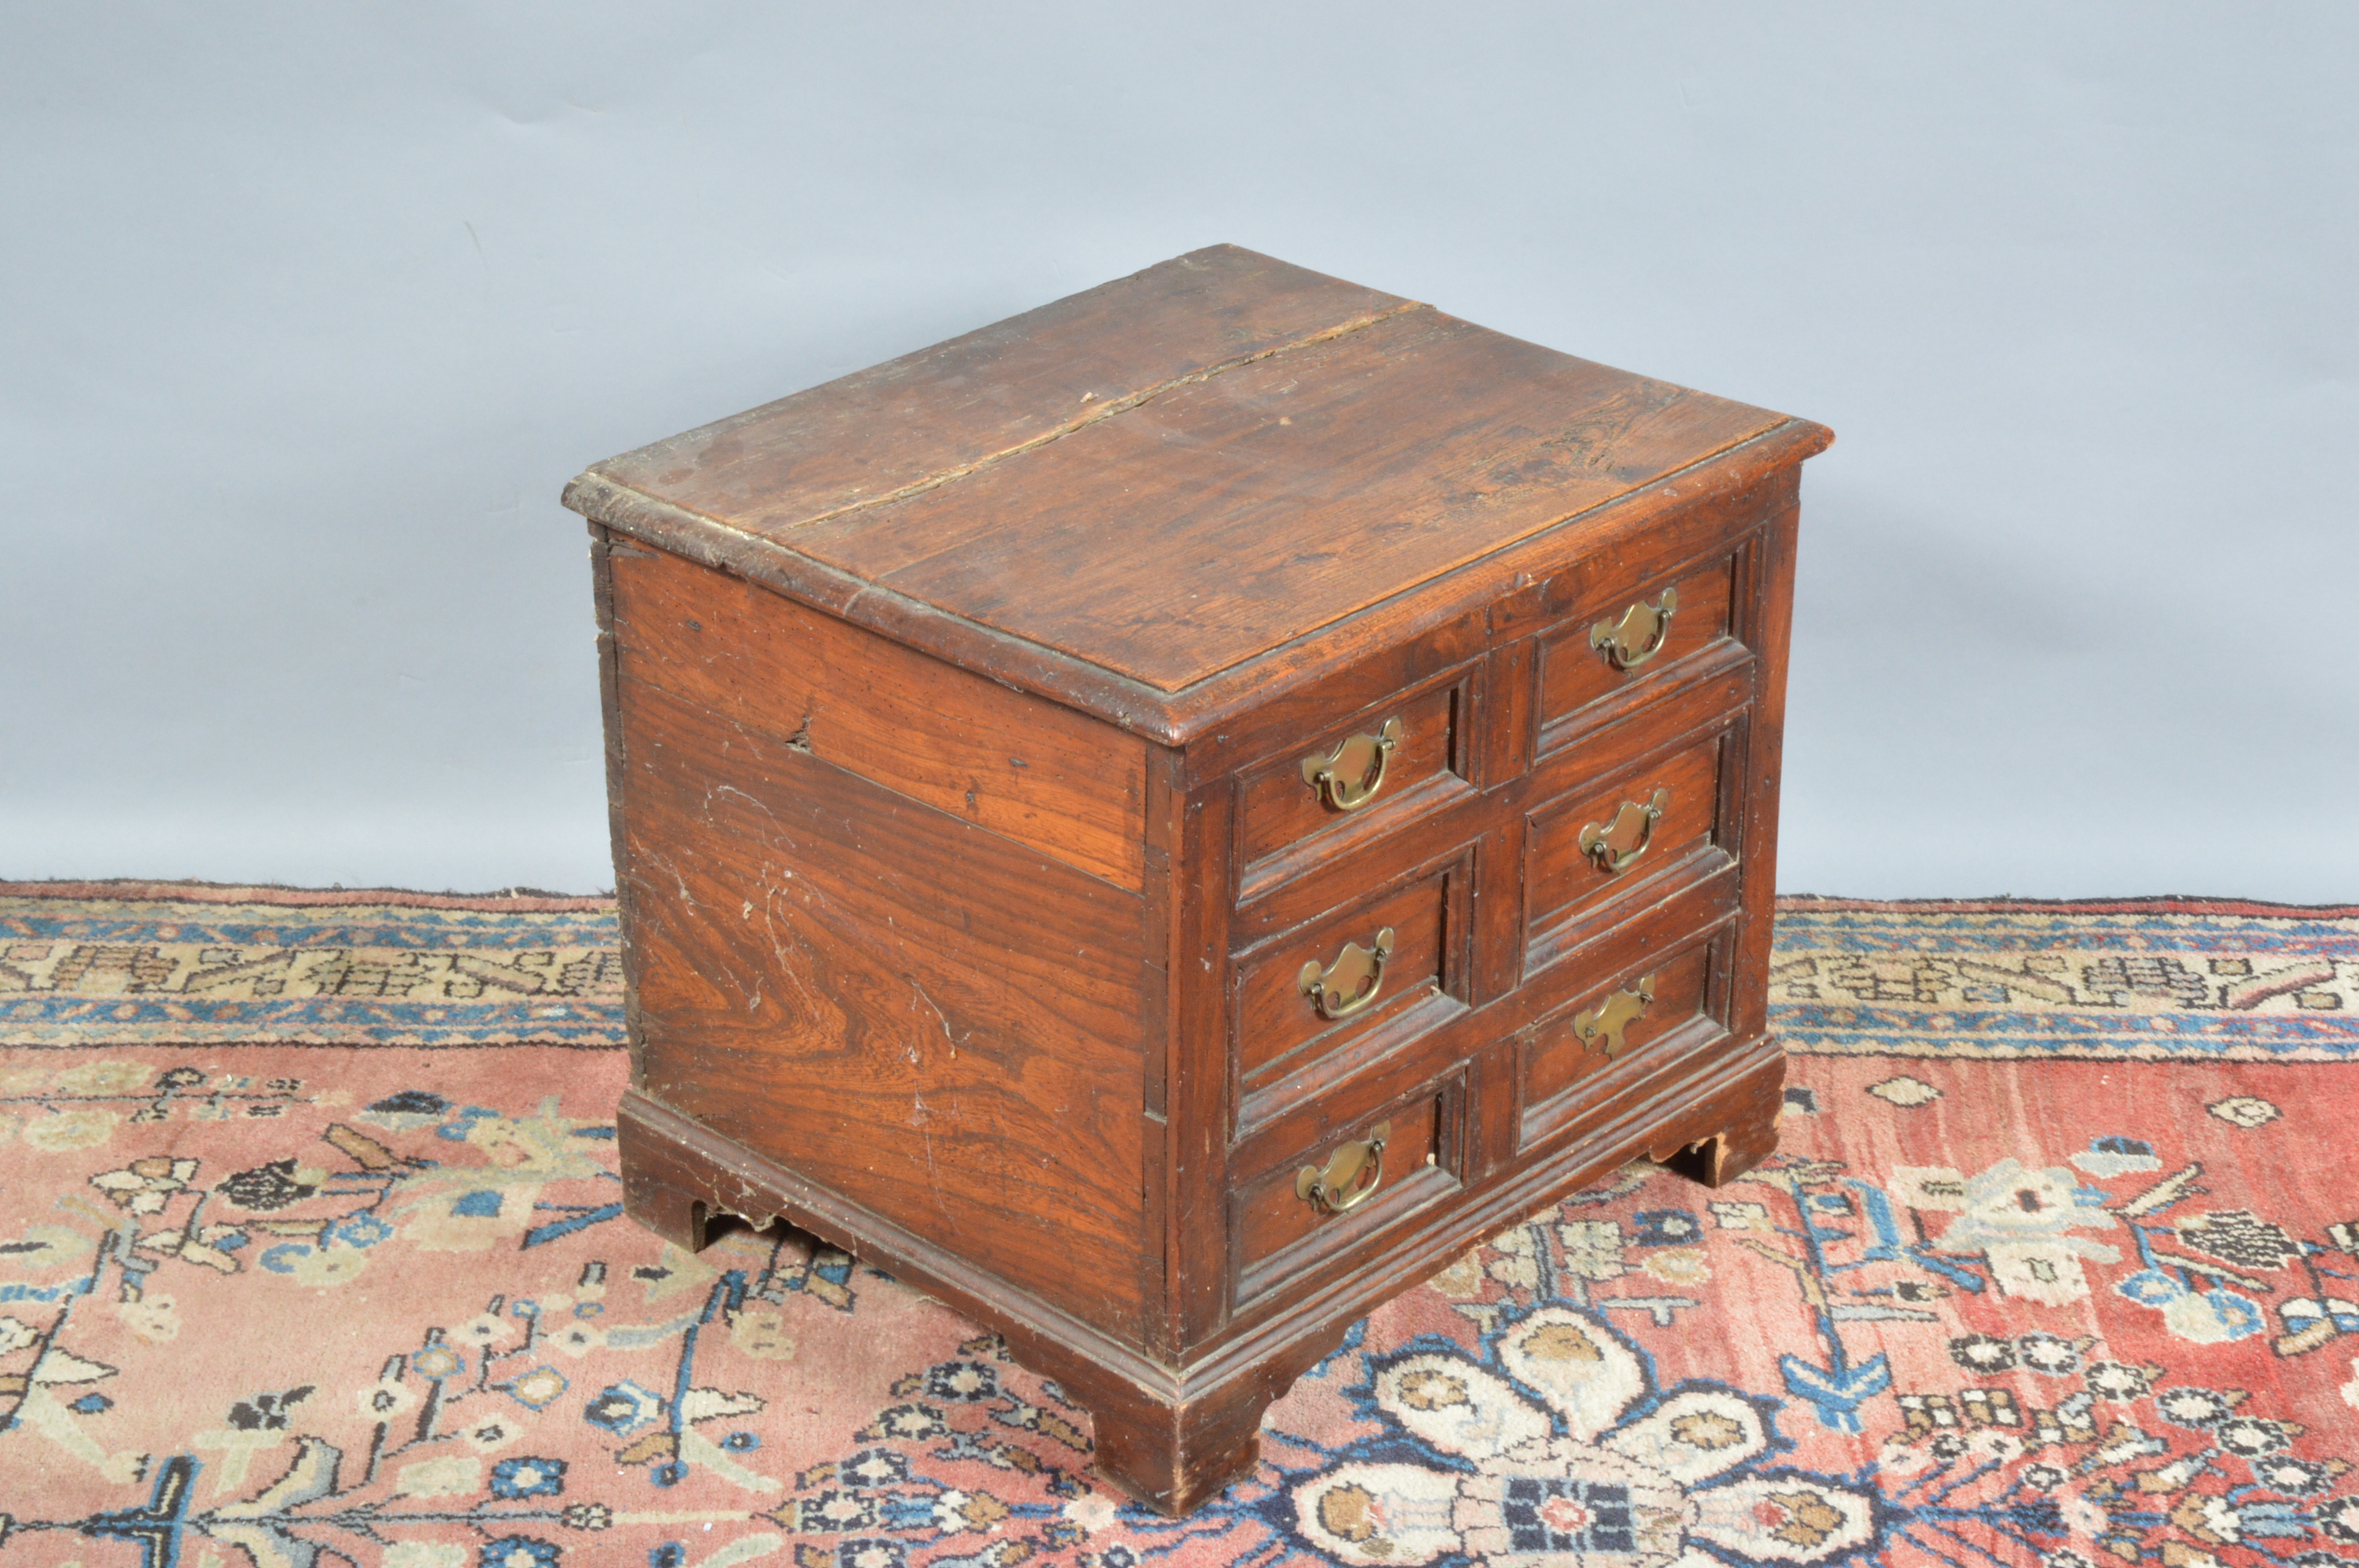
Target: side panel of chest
885,929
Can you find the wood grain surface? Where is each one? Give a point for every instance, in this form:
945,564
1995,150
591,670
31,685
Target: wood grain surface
936,414
1149,499
1279,809
1238,513
1574,673
1041,773
1274,1021
961,1052
1556,1056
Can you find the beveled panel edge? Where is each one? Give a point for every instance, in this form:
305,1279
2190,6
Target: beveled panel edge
1702,901
1717,701
1706,666
1542,1120
1389,869
1568,939
1575,617
1260,1107
1547,942
1185,716
1304,857
1419,1191
1563,632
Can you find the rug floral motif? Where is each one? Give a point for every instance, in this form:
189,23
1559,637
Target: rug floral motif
312,1252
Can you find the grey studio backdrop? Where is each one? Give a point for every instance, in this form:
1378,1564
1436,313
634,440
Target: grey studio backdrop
310,310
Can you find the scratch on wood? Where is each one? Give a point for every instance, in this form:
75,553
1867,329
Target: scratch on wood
939,1017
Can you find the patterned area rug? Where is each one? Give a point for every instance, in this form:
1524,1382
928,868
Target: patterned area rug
311,1253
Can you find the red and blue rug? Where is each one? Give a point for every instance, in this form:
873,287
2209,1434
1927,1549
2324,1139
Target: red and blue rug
312,1253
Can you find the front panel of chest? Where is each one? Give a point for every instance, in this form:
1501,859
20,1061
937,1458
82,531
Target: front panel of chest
1487,911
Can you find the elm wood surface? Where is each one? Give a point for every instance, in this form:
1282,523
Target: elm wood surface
1277,1027
1284,828
1075,789
964,1053
1175,1436
920,420
1567,879
1557,1055
1320,480
1423,464
956,715
1275,1231
1382,444
1573,675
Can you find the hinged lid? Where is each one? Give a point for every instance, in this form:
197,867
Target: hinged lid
1131,498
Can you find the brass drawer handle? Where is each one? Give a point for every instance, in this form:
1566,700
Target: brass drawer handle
1348,777
1639,636
1342,988
1616,1014
1615,846
1351,1176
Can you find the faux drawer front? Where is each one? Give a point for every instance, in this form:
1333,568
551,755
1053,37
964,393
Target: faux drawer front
1628,640
1617,1029
1608,849
1356,780
1359,974
1282,1224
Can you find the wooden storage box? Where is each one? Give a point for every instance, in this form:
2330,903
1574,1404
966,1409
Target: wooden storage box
1165,820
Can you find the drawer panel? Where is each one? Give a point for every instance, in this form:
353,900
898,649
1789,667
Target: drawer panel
1616,1020
1619,643
1611,847
1277,1232
1282,1025
1389,763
